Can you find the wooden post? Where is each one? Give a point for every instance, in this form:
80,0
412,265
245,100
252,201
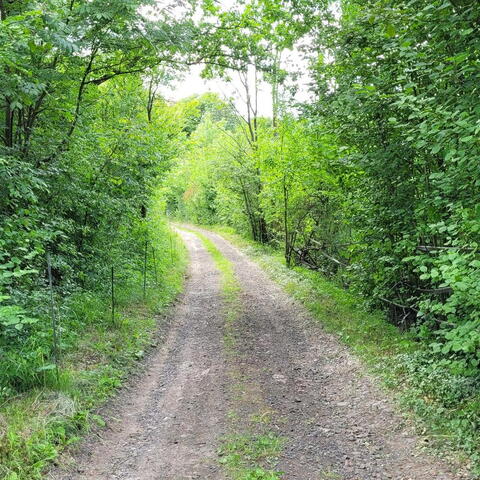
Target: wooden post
171,246
154,265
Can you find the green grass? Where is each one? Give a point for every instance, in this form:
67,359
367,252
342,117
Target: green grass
444,406
230,291
36,425
242,454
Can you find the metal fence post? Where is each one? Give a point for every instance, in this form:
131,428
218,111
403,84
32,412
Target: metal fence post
53,317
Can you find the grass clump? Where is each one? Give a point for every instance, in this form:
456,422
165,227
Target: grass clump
245,456
242,456
230,290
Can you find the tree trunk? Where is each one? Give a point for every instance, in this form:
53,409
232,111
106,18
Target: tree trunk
9,119
288,245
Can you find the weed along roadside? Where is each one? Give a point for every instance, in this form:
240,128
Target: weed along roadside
103,337
251,449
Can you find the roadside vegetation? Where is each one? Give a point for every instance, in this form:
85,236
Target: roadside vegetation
47,406
87,262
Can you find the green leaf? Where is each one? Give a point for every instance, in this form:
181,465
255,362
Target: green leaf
390,31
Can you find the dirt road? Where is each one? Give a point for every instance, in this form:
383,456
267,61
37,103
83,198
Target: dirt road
296,381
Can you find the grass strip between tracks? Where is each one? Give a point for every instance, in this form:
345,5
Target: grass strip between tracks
249,451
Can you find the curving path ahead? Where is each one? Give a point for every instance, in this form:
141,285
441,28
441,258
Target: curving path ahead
169,424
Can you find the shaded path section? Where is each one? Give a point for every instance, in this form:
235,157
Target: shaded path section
167,425
337,423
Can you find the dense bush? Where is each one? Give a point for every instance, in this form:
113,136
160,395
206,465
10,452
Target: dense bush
405,104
